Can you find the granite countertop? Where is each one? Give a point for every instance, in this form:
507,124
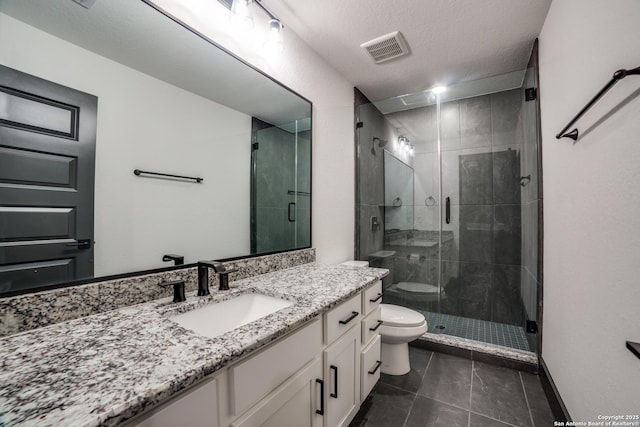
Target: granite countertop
103,369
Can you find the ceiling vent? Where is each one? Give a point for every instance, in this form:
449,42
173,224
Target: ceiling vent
386,47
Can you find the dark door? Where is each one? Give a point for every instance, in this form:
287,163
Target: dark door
47,161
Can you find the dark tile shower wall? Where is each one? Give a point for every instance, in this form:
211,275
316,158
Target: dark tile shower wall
370,201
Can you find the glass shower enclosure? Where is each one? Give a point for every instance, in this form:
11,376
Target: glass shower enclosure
448,199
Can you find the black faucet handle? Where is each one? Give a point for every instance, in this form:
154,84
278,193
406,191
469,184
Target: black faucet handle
224,279
178,289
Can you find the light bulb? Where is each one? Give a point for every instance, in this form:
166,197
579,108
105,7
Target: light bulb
274,41
412,152
439,89
240,14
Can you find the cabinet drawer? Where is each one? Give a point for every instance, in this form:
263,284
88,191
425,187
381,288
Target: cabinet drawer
371,326
371,298
254,378
370,366
341,318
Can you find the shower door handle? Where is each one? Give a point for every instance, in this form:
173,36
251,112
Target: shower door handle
447,215
292,212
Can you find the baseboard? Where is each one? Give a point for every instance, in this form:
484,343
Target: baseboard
553,396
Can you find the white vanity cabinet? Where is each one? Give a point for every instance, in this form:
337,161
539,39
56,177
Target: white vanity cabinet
298,402
342,379
196,407
370,355
316,376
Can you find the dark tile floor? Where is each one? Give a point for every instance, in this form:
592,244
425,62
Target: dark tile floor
443,390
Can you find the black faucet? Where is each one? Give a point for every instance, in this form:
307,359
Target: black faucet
177,259
203,276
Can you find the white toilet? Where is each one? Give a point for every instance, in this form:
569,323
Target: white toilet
400,325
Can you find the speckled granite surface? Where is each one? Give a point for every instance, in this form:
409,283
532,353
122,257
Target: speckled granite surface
103,369
494,350
30,311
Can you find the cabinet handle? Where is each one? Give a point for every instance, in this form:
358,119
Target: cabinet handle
373,371
321,410
354,314
375,328
334,368
376,299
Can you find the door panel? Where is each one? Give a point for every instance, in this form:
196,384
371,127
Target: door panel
33,168
37,114
47,162
28,275
23,224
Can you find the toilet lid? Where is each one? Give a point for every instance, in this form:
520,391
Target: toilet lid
356,263
394,315
418,288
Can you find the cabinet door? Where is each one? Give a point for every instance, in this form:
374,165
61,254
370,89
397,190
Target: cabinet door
196,407
342,379
298,402
371,363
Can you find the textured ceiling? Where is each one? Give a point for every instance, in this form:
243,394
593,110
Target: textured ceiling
451,41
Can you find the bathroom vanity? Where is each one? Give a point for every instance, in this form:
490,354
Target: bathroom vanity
309,363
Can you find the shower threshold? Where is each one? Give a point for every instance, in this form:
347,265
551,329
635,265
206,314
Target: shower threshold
497,339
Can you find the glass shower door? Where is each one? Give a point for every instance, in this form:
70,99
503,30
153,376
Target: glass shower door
480,268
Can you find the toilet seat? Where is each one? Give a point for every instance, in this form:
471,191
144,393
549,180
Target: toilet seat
394,315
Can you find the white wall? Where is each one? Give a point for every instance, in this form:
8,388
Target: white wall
304,71
148,124
591,207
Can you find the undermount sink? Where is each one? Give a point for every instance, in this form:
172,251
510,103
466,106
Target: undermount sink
215,319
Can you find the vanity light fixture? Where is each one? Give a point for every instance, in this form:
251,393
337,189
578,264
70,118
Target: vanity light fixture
274,41
241,15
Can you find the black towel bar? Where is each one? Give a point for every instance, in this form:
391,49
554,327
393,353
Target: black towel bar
139,172
634,347
617,76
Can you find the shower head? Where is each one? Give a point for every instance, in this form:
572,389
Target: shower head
381,142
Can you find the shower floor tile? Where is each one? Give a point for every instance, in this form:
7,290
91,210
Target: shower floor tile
479,330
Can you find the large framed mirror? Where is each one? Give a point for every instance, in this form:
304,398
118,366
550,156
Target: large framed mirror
169,101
